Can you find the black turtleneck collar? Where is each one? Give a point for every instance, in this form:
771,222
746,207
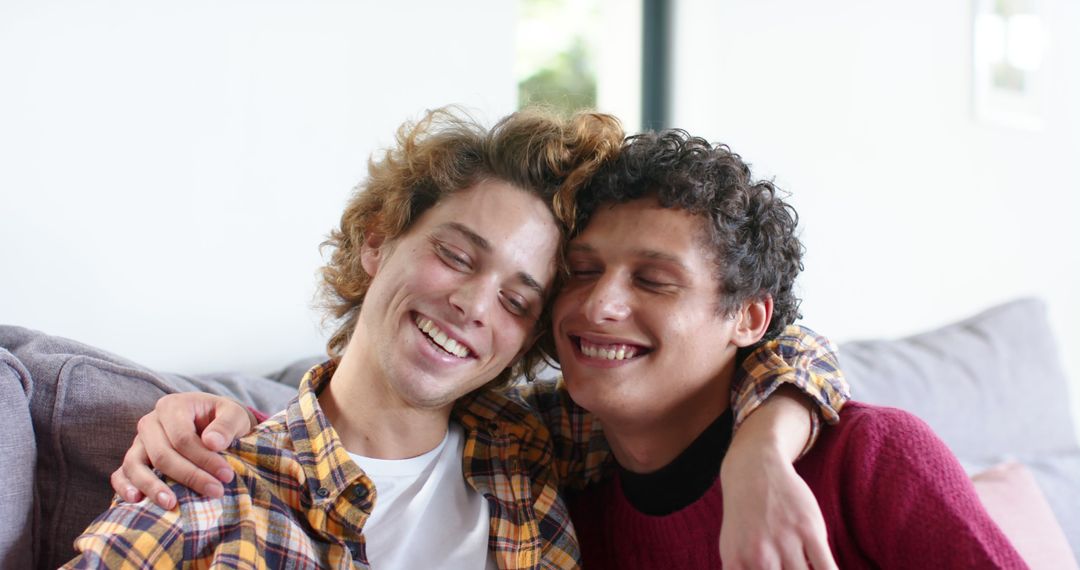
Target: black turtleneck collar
686,479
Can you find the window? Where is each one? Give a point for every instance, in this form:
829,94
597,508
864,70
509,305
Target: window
581,54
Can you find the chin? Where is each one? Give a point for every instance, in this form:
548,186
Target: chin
583,395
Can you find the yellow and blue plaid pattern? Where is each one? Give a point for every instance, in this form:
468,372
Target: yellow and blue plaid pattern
298,501
802,358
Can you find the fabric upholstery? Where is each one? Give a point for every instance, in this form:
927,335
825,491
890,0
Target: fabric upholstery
294,372
991,385
19,453
85,406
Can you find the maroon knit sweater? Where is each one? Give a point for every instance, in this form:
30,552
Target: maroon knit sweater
892,494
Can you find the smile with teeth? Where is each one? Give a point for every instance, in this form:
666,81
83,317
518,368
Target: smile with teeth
607,351
440,338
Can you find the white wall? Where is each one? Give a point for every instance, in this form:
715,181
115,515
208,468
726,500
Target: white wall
168,169
914,212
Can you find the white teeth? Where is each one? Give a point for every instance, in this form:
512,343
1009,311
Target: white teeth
448,344
609,352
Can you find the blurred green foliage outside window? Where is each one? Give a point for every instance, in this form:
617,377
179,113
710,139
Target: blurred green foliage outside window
556,54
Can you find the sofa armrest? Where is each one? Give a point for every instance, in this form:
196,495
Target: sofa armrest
85,406
19,451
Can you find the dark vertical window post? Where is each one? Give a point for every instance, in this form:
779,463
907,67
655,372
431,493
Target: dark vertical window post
656,45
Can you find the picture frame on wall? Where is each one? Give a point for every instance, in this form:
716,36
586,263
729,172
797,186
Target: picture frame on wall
1009,48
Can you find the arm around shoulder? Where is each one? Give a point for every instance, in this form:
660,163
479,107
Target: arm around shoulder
797,356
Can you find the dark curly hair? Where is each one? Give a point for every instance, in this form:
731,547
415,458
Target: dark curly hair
750,230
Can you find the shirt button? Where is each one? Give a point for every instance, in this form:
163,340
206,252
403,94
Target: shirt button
493,427
360,492
323,492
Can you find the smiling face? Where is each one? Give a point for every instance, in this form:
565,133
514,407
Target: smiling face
455,299
637,328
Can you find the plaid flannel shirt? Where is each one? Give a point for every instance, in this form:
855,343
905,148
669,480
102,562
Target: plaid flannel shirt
298,501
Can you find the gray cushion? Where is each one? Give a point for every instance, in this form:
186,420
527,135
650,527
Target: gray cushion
293,373
19,454
85,405
990,386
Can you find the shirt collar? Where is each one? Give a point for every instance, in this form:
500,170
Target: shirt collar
329,470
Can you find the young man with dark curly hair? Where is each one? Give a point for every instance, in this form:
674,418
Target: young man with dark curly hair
683,266
399,452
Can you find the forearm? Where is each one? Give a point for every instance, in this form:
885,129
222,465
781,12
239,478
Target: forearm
773,515
780,427
804,362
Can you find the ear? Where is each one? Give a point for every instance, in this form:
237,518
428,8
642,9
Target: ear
752,321
371,253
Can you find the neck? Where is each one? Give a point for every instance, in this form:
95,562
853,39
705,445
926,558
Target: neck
649,444
371,419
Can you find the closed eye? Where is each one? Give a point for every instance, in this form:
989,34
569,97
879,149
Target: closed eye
583,273
514,303
452,257
652,284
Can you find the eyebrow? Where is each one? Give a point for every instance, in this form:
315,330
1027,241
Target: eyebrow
646,253
482,243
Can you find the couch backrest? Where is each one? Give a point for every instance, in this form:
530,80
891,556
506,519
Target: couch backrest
991,385
84,408
19,453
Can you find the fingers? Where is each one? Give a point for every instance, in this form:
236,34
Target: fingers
175,448
136,479
748,557
818,553
123,486
231,420
792,556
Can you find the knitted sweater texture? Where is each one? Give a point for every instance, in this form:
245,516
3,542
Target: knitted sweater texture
892,495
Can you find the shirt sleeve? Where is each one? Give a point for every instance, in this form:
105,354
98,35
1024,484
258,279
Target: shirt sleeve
580,452
131,535
911,505
802,358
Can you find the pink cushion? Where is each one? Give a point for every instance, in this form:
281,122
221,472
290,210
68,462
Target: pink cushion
1013,499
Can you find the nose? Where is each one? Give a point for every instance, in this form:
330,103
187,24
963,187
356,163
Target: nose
473,300
606,301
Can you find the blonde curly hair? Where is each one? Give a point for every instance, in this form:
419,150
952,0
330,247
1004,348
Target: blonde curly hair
446,151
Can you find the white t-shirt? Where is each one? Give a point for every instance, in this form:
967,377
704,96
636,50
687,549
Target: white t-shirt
426,515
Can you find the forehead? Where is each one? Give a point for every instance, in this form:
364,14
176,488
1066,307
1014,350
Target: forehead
510,224
646,228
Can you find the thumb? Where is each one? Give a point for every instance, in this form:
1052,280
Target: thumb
231,420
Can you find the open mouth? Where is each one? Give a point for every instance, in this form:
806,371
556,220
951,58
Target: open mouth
612,352
440,339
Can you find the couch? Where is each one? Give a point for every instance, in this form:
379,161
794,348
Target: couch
992,386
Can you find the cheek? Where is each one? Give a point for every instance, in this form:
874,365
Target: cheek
567,302
429,272
510,338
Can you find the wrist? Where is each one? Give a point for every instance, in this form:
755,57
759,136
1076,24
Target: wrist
750,458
